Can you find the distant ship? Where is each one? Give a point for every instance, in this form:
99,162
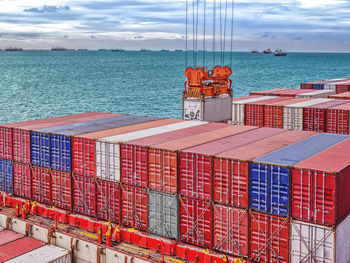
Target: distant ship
280,53
164,50
117,50
82,49
178,50
254,51
58,49
102,49
14,49
145,50
267,51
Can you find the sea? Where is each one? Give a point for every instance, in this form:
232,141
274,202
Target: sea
40,84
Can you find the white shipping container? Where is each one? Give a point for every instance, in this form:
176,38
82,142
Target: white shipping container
214,109
45,254
316,94
238,110
293,114
311,243
108,149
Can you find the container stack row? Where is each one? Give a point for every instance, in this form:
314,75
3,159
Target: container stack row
338,85
295,93
263,194
319,115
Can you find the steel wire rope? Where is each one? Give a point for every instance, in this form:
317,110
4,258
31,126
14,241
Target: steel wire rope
214,19
196,32
232,18
193,32
186,58
224,42
220,24
204,29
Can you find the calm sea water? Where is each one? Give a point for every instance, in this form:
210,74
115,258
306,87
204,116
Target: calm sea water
44,84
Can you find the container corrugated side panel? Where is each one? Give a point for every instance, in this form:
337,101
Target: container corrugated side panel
338,119
5,143
163,211
6,176
269,238
21,145
316,94
293,114
238,108
108,201
231,230
22,180
45,254
134,207
41,185
196,222
7,236
84,199
61,189
40,149
19,247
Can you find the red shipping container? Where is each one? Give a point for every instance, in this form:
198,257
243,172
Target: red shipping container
270,92
41,185
22,180
83,146
163,158
306,86
134,207
269,238
231,230
338,119
84,195
273,115
320,186
342,88
133,165
108,201
6,143
19,247
341,96
254,112
61,189
21,145
314,117
196,222
7,236
195,164
231,168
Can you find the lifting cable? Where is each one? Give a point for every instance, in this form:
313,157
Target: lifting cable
186,59
197,33
204,10
193,32
232,17
224,44
214,18
220,20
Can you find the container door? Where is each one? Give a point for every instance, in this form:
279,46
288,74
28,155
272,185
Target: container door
6,176
259,189
107,161
21,146
108,201
6,143
40,149
60,146
279,177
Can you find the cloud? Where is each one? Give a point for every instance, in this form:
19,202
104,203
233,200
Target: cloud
47,9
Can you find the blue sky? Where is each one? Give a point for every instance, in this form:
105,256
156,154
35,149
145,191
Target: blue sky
294,25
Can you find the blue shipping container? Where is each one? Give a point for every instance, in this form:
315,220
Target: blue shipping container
6,176
269,174
40,149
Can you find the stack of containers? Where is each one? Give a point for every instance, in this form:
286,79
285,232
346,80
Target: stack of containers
196,184
341,96
338,120
238,107
270,178
320,202
297,93
231,184
133,170
316,94
15,147
337,85
315,116
270,92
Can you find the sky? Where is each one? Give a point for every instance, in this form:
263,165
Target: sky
293,25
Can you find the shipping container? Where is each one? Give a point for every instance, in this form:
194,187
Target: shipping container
320,186
163,158
134,207
341,96
338,119
238,107
315,94
196,222
342,87
134,158
269,238
163,214
273,113
22,180
315,117
45,254
231,168
61,190
293,114
315,243
7,236
6,176
104,162
231,230
270,92
51,147
17,134
41,184
84,195
214,109
254,112
270,174
292,92
196,163
18,247
108,201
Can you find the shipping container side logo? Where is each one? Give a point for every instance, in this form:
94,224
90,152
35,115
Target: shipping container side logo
192,110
